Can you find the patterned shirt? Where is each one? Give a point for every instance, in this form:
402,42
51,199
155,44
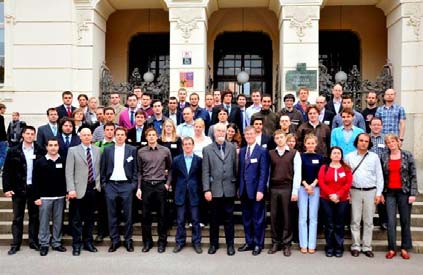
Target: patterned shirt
391,117
379,146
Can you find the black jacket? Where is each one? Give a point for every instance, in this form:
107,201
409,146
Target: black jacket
14,170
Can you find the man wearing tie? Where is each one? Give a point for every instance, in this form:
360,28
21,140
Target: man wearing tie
119,180
182,96
186,170
127,116
67,137
253,178
82,180
49,130
66,108
219,180
234,113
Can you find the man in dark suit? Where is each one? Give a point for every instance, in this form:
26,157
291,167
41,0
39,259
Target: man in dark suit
262,139
136,135
50,129
335,104
119,180
219,184
253,177
326,116
67,137
234,113
186,169
17,184
173,112
66,109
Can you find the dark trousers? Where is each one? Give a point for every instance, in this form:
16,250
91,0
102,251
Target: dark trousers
102,222
125,192
81,213
253,219
280,215
334,214
381,210
154,195
397,199
181,235
222,210
19,202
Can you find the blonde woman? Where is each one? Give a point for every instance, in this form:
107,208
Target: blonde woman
79,119
200,139
169,138
291,141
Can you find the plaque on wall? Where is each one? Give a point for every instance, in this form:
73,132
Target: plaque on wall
186,79
186,57
301,77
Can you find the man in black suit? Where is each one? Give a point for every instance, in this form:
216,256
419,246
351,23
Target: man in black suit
17,184
136,135
335,104
173,112
119,180
66,109
262,139
326,116
233,110
67,137
50,129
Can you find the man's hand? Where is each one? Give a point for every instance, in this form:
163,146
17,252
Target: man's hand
208,196
378,199
72,195
38,202
411,199
139,194
294,198
259,196
168,187
9,194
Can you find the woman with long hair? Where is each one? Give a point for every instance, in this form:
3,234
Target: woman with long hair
400,191
200,139
233,135
169,138
335,181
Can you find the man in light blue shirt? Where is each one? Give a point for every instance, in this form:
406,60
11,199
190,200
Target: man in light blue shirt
345,135
186,129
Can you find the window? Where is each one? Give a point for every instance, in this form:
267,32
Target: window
1,41
248,51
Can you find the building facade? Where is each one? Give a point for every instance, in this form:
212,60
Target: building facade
55,45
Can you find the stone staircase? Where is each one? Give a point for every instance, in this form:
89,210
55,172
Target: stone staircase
379,236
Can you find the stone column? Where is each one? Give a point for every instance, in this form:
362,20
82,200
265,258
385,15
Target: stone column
188,35
405,48
299,40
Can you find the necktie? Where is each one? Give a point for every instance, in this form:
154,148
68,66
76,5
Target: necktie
222,153
67,141
247,155
54,128
132,117
69,112
244,121
90,166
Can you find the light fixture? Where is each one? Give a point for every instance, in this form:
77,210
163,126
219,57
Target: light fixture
148,77
341,77
242,77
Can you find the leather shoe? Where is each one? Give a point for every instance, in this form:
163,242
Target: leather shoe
44,251
129,245
161,248
390,254
90,247
13,250
178,248
114,247
405,255
147,247
59,248
34,246
198,249
76,251
369,254
256,250
339,254
287,251
245,247
355,253
212,249
329,253
231,250
275,248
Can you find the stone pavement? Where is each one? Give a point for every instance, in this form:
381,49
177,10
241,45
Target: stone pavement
187,262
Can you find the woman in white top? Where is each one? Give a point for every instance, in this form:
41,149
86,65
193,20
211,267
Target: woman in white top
200,140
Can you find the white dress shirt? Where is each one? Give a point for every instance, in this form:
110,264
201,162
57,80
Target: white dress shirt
118,173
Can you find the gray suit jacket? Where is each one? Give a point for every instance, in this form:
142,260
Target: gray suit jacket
77,169
219,175
44,133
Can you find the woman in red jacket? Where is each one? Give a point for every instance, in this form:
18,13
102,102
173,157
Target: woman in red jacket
335,182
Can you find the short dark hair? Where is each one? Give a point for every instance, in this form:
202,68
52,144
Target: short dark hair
226,92
266,95
109,123
51,109
146,94
241,95
82,95
52,139
312,106
65,119
173,98
155,101
132,95
256,118
108,109
120,128
28,127
347,96
141,112
150,129
376,118
289,96
187,139
194,94
67,93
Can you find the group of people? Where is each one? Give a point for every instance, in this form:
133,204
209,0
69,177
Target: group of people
109,159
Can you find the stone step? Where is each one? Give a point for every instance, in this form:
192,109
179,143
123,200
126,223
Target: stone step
378,245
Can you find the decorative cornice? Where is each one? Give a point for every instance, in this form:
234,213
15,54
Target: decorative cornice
415,14
10,19
300,24
186,27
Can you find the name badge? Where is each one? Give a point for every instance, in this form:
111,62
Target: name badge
341,175
174,146
381,145
59,165
315,161
33,157
129,159
264,146
253,160
129,140
327,122
144,143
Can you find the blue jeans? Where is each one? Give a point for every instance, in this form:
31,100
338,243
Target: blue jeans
308,207
334,224
3,151
397,199
181,234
